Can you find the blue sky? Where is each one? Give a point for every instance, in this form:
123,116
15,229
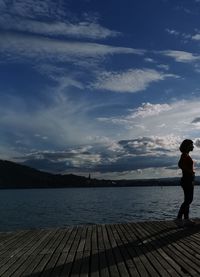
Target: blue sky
109,88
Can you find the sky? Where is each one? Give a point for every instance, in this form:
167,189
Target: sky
102,87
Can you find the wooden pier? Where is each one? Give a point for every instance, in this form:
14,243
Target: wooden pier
142,249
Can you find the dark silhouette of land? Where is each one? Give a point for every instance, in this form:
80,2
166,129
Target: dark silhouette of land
15,175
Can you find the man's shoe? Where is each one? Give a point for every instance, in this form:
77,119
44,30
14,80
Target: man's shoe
188,222
179,222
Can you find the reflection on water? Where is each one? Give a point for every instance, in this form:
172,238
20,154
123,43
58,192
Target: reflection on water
44,208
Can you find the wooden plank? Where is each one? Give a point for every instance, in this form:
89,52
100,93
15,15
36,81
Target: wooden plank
151,252
16,258
19,267
79,253
181,245
45,236
44,254
94,259
85,265
166,261
132,245
145,259
71,248
163,248
28,255
70,241
131,249
28,243
7,266
193,244
35,261
50,247
30,250
66,267
12,236
155,259
50,266
67,232
116,244
123,248
6,235
112,267
103,265
63,255
34,253
167,240
43,261
12,243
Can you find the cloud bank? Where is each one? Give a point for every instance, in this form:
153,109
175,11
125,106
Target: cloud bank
133,80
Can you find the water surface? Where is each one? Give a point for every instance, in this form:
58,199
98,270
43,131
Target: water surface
46,208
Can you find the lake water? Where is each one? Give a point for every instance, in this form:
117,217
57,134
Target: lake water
46,208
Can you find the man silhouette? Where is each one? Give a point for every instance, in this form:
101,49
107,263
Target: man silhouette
187,182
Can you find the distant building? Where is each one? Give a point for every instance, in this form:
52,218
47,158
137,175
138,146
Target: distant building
89,179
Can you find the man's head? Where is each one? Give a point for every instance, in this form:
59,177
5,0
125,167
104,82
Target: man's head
186,146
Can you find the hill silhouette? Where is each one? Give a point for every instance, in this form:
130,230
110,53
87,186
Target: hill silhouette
15,175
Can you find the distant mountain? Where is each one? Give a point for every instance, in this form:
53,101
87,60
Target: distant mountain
14,175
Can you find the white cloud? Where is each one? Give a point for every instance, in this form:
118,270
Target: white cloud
148,109
83,29
43,48
86,161
36,8
136,117
65,124
150,60
181,56
196,37
76,157
197,142
172,32
49,17
183,37
65,82
62,121
159,119
152,145
146,173
138,154
7,151
61,75
196,123
163,66
133,80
